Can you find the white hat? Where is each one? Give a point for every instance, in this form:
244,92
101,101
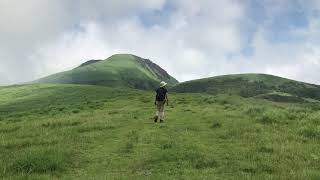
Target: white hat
163,84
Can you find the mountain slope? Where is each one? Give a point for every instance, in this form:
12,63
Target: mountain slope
121,70
95,132
251,85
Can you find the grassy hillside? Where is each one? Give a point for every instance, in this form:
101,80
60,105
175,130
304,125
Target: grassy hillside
251,85
122,70
95,132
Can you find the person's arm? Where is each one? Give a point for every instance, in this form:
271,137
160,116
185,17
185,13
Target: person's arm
167,99
155,99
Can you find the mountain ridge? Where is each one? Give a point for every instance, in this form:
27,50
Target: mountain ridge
89,62
252,85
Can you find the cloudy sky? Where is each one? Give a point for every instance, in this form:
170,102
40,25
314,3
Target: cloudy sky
190,39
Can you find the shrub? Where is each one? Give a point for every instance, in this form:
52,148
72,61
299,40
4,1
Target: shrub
265,149
216,125
314,118
205,163
274,115
223,102
268,118
75,111
312,132
254,111
132,140
209,100
167,146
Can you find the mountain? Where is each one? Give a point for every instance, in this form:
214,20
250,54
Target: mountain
120,70
254,85
89,62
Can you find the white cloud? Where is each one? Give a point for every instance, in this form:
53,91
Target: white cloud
196,39
185,50
298,60
29,27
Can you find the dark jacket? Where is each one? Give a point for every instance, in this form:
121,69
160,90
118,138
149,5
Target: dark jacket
161,94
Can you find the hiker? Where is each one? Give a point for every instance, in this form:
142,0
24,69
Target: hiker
161,99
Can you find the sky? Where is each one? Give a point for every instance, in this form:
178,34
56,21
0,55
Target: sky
190,39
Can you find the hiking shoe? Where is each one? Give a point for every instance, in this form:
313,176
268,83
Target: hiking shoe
155,119
161,121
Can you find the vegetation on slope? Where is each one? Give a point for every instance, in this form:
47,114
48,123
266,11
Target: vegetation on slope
250,85
121,70
95,132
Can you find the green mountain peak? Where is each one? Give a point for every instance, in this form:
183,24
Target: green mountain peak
119,70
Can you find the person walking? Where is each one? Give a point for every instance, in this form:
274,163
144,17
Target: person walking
160,101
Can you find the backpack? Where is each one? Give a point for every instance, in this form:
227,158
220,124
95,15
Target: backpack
161,94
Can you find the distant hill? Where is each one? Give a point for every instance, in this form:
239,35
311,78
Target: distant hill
126,70
254,85
121,70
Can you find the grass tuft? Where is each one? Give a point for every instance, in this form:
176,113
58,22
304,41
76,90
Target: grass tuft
216,125
311,132
132,140
41,161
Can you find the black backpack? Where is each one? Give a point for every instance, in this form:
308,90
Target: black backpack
161,94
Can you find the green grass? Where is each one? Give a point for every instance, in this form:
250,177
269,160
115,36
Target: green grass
121,70
92,132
